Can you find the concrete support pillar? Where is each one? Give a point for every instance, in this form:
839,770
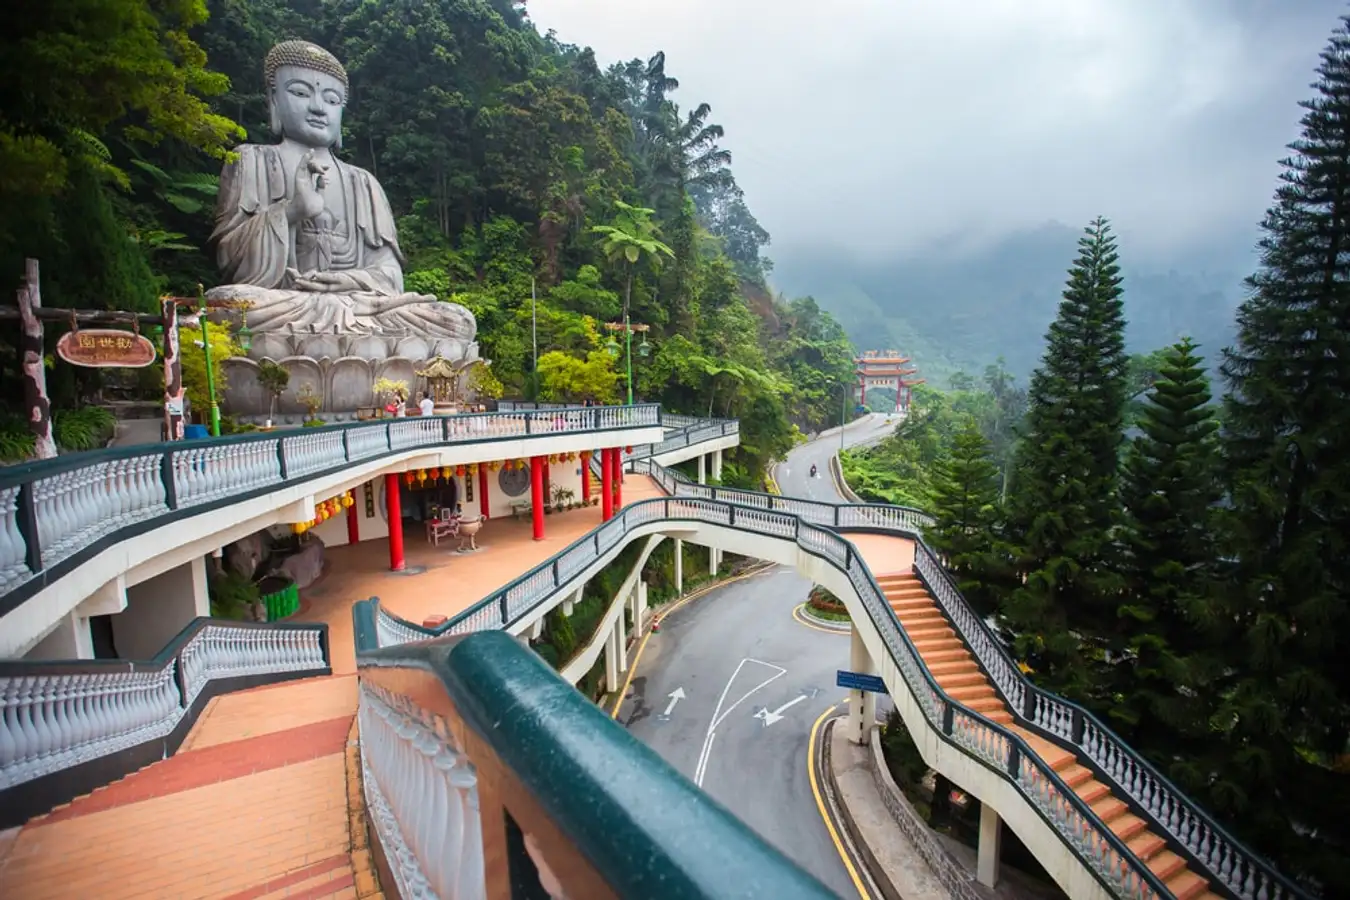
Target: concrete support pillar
394,504
537,629
717,466
612,661
991,839
621,643
70,639
617,461
537,495
640,605
703,468
606,484
862,705
483,506
679,568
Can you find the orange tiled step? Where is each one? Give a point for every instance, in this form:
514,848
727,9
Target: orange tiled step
957,673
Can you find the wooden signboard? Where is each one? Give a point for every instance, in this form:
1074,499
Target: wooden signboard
105,348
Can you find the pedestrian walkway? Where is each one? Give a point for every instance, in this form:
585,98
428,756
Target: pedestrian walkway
254,805
440,580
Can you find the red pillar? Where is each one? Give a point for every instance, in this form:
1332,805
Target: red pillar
482,489
537,495
606,485
353,525
394,505
585,477
616,456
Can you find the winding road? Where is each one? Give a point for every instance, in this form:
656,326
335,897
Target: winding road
729,689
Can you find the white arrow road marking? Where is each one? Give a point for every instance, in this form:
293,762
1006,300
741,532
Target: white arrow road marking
719,714
675,697
777,715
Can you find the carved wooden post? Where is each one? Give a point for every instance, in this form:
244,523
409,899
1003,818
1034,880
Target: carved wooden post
36,402
173,373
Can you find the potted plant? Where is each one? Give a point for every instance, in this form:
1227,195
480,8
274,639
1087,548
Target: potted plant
274,380
312,400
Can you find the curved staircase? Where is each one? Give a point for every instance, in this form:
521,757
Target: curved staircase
956,671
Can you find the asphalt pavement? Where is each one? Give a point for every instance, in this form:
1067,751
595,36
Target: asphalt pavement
730,687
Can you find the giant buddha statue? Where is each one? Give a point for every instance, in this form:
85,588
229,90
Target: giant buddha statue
308,241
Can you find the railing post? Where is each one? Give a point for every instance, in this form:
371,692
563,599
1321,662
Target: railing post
1014,758
948,715
528,420
281,458
556,581
346,448
389,435
1029,705
731,510
28,528
503,610
166,477
1076,727
445,429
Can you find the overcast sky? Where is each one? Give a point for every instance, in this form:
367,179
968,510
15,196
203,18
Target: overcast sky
920,126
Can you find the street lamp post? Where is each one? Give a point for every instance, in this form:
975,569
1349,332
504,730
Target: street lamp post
628,328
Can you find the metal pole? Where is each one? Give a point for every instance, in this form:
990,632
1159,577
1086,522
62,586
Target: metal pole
210,377
843,413
534,338
628,340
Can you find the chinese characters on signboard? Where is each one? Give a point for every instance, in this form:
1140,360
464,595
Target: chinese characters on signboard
105,348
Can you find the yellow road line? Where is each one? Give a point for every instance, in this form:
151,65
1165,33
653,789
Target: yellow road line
824,813
661,617
801,619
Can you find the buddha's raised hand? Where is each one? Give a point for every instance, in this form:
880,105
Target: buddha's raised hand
306,199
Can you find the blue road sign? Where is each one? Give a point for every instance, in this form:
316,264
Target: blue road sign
856,681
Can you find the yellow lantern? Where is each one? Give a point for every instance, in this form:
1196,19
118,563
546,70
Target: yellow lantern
473,468
421,475
298,528
348,501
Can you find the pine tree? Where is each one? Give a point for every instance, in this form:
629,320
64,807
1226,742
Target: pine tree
965,509
1286,441
1063,504
1169,488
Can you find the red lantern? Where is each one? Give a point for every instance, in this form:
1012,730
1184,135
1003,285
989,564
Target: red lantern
627,449
408,478
459,470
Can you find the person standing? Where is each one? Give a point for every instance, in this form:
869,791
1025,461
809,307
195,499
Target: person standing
425,404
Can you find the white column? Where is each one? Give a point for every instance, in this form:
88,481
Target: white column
70,639
201,598
991,838
537,629
862,705
712,560
612,662
621,644
717,465
679,568
641,613
703,468
573,600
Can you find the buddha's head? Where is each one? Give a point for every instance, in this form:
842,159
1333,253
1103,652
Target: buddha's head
306,91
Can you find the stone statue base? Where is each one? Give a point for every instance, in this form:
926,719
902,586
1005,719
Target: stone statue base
346,385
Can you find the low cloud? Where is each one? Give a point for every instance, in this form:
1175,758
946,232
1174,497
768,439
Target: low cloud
892,128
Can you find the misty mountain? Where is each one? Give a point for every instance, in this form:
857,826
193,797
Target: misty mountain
962,313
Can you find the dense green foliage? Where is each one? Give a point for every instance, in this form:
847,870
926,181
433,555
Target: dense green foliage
509,159
965,509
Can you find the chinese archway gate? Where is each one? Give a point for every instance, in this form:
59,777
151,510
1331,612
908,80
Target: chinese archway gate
885,369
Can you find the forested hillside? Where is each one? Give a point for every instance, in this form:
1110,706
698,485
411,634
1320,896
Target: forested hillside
502,151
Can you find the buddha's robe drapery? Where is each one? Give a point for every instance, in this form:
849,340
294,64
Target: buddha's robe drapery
258,249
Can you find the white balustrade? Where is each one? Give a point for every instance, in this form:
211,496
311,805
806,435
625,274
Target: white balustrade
52,722
392,631
220,651
366,441
422,794
13,549
307,454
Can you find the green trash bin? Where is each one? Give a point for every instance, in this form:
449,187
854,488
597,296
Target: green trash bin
280,597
